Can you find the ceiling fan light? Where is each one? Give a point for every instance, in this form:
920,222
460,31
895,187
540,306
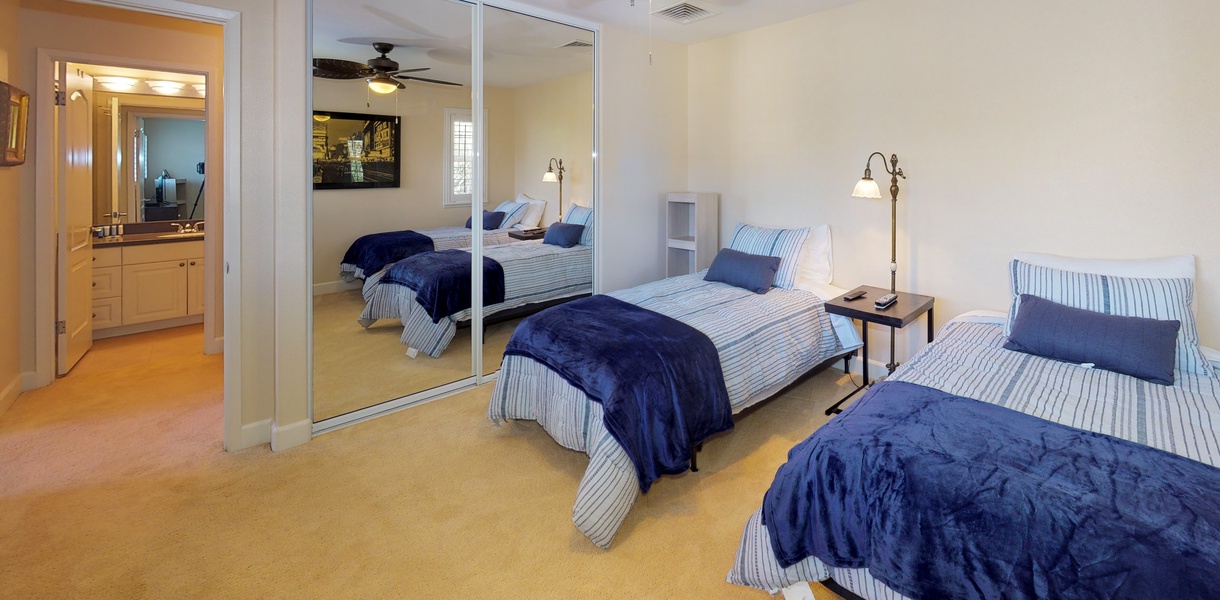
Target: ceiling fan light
166,87
116,84
382,84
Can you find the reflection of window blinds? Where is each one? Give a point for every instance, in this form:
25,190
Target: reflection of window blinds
463,157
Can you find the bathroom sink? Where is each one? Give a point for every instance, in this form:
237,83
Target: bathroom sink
193,234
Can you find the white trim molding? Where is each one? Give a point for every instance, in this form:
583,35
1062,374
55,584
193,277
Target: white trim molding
9,394
255,434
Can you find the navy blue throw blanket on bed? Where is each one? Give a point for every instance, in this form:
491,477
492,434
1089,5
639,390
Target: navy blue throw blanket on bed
658,379
442,283
374,251
941,496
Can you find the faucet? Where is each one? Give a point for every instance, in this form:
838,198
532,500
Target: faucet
181,228
198,226
189,227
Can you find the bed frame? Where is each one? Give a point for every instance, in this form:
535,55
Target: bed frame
520,311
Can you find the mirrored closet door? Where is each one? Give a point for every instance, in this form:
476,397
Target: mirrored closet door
538,93
393,148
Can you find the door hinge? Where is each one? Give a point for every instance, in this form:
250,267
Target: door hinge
61,327
61,99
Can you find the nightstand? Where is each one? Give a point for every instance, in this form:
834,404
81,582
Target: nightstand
898,315
530,234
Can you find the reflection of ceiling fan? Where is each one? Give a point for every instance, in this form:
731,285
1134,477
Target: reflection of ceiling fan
381,72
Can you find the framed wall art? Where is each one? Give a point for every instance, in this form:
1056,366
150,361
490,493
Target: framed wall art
14,118
353,150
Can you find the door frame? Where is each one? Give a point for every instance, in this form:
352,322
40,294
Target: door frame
226,200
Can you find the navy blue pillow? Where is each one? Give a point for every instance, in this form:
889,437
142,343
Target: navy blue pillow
752,272
1135,346
564,235
491,220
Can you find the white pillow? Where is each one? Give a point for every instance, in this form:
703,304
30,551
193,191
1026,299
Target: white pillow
816,263
1165,267
513,212
787,244
533,214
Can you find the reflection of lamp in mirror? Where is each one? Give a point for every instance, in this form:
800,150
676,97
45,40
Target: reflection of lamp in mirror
554,172
321,117
168,88
383,84
115,84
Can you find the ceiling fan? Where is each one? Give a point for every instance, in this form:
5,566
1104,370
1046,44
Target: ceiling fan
381,72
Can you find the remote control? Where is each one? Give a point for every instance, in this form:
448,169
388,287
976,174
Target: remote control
885,301
848,297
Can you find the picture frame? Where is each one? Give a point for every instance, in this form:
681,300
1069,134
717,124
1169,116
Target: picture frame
14,124
355,150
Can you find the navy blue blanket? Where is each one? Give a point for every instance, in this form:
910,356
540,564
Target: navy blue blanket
374,251
658,379
941,496
442,281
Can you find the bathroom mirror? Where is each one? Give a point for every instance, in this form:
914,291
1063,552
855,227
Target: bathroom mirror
362,292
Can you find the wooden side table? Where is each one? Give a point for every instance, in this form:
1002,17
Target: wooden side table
898,315
527,234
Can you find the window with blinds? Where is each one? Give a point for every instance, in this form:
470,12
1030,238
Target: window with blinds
459,157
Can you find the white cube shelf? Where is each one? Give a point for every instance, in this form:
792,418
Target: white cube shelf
692,231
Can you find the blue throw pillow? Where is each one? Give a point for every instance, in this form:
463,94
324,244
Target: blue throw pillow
752,272
491,220
564,235
1135,346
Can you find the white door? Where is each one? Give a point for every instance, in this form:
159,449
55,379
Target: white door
75,197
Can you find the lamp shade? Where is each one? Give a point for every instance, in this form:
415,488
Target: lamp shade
382,84
549,176
867,188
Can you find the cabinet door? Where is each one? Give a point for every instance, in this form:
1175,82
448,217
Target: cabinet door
194,286
154,291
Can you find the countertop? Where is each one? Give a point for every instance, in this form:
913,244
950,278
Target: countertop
141,239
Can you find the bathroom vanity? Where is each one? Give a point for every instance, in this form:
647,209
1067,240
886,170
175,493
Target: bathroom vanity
146,281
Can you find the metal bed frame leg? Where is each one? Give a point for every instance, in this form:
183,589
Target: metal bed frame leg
694,458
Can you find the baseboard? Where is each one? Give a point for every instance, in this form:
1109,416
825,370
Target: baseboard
334,287
255,434
288,436
876,368
9,394
109,332
29,381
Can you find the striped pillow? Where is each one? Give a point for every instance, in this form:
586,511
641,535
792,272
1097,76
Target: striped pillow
784,243
1165,299
513,213
581,215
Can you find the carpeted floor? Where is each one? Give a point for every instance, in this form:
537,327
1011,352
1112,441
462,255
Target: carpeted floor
356,367
113,484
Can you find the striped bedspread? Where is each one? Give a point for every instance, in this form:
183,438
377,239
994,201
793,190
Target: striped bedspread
969,360
764,343
533,272
443,238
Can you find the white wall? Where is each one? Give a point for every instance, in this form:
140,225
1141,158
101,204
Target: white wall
643,116
1083,128
555,120
10,249
341,216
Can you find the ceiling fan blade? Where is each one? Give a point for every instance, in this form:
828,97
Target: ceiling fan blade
409,70
333,68
427,80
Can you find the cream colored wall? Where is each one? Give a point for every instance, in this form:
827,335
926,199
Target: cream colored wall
341,216
1079,128
555,120
83,28
643,152
10,249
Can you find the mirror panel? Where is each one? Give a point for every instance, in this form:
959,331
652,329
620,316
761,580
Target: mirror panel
360,318
538,90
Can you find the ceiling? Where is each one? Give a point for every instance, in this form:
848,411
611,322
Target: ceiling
520,50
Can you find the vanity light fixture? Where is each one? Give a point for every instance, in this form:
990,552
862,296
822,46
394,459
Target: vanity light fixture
554,172
383,84
116,84
202,88
166,87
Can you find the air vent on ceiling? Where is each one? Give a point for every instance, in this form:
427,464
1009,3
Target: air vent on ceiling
684,13
576,44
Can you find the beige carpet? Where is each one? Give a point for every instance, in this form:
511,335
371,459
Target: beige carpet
355,367
113,484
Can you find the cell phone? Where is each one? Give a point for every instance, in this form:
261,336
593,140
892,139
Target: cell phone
854,295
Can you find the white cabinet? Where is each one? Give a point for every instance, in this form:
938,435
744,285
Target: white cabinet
692,226
144,284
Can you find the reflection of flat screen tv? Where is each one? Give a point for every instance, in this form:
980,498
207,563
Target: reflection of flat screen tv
352,150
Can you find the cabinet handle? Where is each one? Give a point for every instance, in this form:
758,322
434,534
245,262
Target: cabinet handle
94,284
181,264
192,263
94,315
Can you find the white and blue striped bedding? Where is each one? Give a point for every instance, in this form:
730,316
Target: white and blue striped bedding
968,360
443,238
533,272
765,342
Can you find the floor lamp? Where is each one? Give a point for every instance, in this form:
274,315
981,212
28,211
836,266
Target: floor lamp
867,188
554,172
